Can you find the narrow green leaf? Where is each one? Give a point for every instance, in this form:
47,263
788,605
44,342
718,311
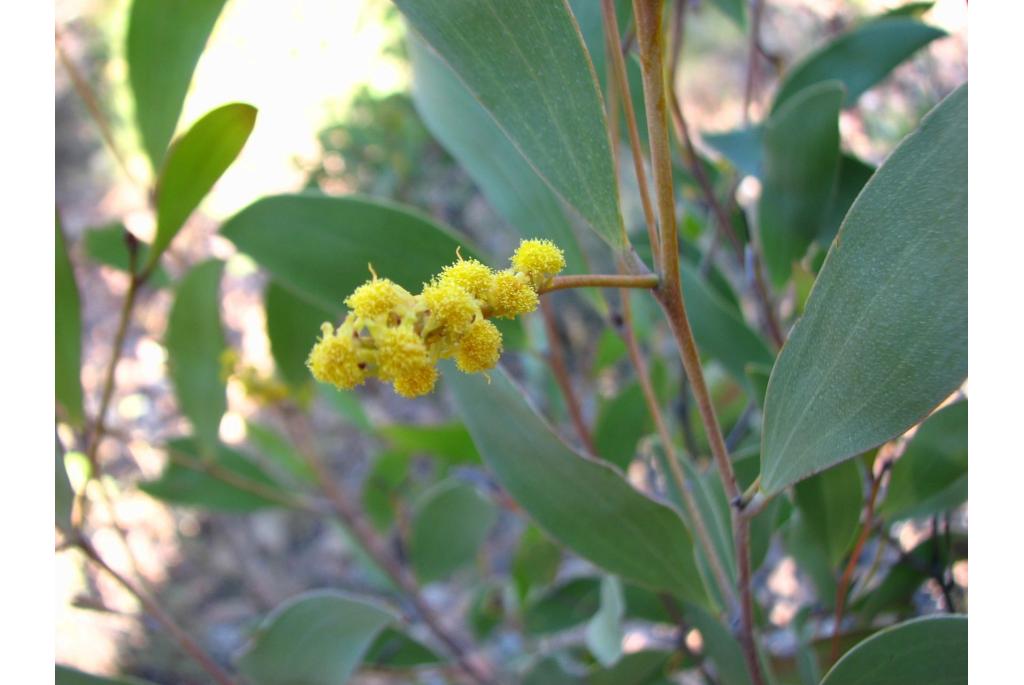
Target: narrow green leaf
801,160
195,342
831,502
63,494
859,58
471,136
65,675
394,649
931,649
910,9
884,337
931,476
165,39
194,163
853,175
604,631
293,325
318,638
622,531
277,449
525,62
67,332
229,481
450,522
107,246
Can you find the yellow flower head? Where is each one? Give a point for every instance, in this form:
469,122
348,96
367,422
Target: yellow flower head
539,259
335,359
416,381
480,348
451,306
473,276
376,297
511,295
400,351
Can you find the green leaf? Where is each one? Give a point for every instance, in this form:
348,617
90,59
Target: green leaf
450,523
525,62
319,247
583,503
736,10
931,649
63,494
563,606
165,39
394,649
229,481
487,609
293,326
194,163
720,646
853,175
884,337
195,342
318,638
621,422
638,668
742,147
830,503
449,442
931,476
859,58
107,246
801,160
280,451
812,558
536,560
471,136
910,9
383,487
65,675
67,332
604,631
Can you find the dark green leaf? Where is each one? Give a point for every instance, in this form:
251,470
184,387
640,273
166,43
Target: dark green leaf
931,649
293,325
472,137
194,163
859,58
884,337
525,62
450,523
449,442
830,503
536,560
318,638
621,422
623,531
63,495
563,606
107,246
65,675
383,489
195,342
801,160
638,668
604,631
719,644
395,649
67,332
853,175
931,476
812,558
165,39
229,481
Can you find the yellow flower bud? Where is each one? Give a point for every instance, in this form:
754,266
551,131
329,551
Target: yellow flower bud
400,351
511,295
335,359
473,276
540,260
376,297
417,381
451,307
480,348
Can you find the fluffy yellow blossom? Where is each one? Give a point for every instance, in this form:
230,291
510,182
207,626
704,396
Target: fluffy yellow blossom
480,348
511,295
450,307
473,276
335,358
376,297
417,381
540,260
400,351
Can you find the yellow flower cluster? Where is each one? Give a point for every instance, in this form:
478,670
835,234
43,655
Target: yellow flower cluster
398,337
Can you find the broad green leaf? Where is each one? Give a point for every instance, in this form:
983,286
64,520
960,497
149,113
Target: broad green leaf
65,675
719,644
830,503
195,342
525,62
229,481
194,163
621,422
318,638
860,58
931,649
450,523
165,39
449,442
536,561
383,487
107,246
801,161
853,175
604,631
563,606
471,136
742,147
67,332
884,336
293,326
394,649
319,247
931,476
622,531
63,494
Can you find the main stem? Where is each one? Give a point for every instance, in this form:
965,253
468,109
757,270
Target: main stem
650,37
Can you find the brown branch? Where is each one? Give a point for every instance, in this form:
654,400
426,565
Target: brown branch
601,281
556,360
756,12
177,633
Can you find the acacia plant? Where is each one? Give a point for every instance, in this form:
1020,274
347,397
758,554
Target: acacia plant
788,374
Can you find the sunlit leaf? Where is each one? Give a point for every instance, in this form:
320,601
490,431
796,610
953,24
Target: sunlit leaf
67,332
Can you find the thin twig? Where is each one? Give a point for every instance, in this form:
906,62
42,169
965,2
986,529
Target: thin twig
180,636
756,12
647,281
556,359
